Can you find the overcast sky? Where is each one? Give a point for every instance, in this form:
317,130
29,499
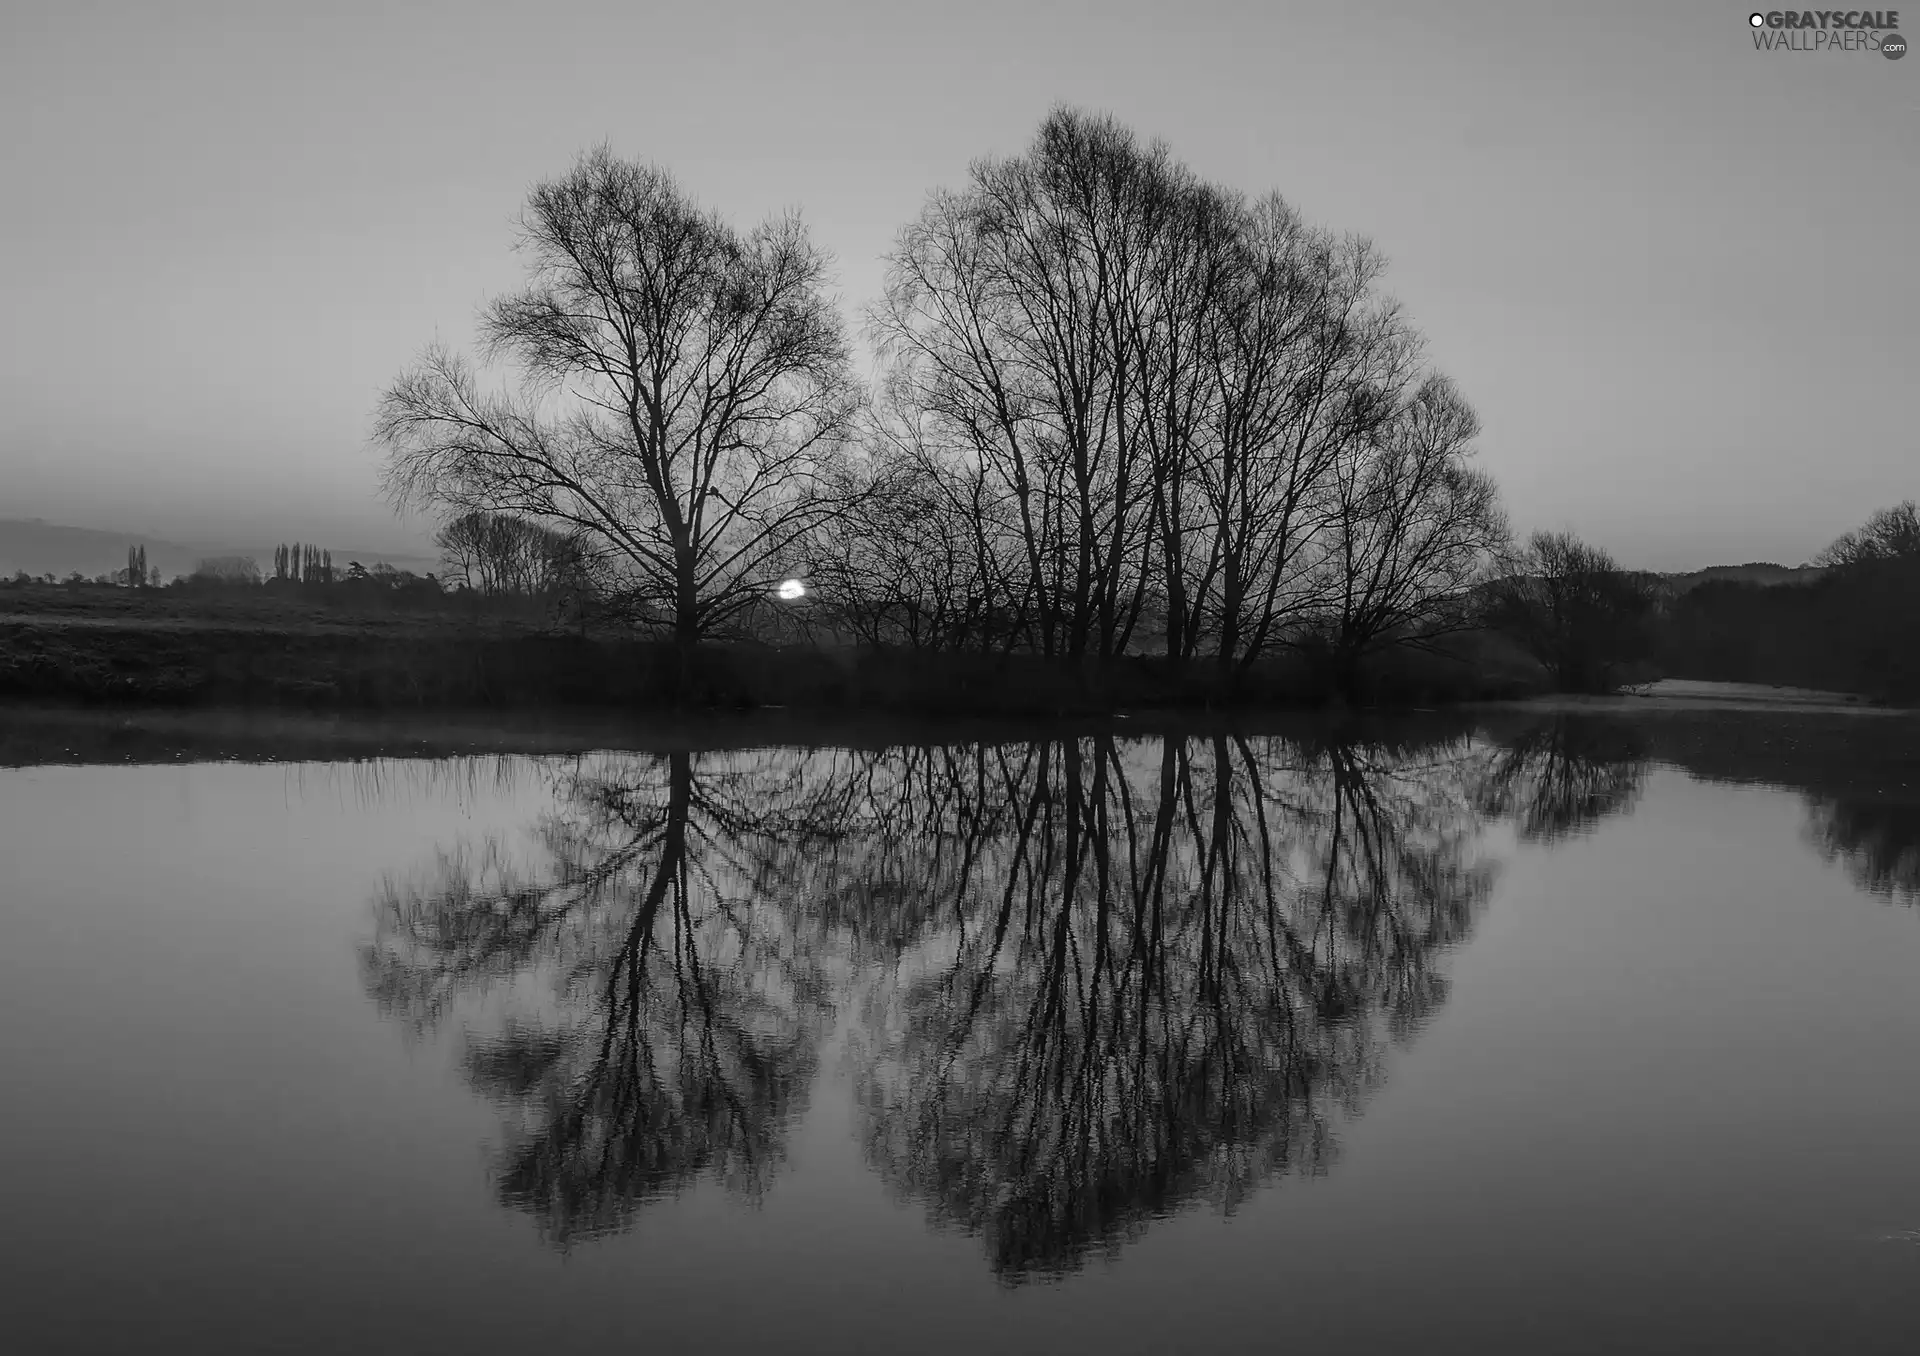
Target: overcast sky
1670,271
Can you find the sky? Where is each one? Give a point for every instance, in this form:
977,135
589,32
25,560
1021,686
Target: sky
1672,272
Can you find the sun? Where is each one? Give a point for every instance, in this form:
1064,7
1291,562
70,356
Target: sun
790,589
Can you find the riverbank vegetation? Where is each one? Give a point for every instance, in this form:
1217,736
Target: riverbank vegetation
1856,628
263,650
1122,414
1135,439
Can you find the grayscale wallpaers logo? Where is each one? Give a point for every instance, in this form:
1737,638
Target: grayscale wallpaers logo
1829,30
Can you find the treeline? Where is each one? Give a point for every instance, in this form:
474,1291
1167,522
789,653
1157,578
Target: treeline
1121,410
292,565
137,574
1593,626
494,557
1121,413
1135,408
1854,629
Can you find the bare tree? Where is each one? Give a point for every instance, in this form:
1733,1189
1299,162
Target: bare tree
1575,610
1413,527
1309,365
226,570
1005,316
302,563
686,390
1158,402
1890,534
503,554
915,565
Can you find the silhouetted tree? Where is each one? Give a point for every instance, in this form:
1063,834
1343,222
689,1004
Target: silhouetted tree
498,553
1892,534
910,566
1119,397
1585,619
695,390
226,570
1003,307
1414,526
1850,629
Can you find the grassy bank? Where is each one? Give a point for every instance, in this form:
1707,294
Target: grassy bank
124,658
44,733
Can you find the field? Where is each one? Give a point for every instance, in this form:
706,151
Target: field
261,647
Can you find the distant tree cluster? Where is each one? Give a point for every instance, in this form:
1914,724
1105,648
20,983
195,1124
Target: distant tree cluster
302,563
136,574
1851,630
122,578
311,570
219,570
505,554
495,562
1588,622
1890,538
1121,409
1133,408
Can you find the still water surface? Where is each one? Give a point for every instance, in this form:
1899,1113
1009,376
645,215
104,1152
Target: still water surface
1553,1034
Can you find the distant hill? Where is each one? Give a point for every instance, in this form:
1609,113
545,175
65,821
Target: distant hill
1755,572
40,547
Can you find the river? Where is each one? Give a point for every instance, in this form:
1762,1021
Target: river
1521,1030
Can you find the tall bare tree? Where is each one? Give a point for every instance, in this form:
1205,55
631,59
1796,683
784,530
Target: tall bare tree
1413,527
1582,616
1006,316
1158,401
1891,534
1308,363
685,390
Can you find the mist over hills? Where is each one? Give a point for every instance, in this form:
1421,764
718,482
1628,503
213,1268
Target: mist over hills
40,547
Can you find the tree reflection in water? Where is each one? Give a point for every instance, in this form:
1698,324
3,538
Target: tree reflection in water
1164,977
687,1019
1876,840
1558,778
1083,983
